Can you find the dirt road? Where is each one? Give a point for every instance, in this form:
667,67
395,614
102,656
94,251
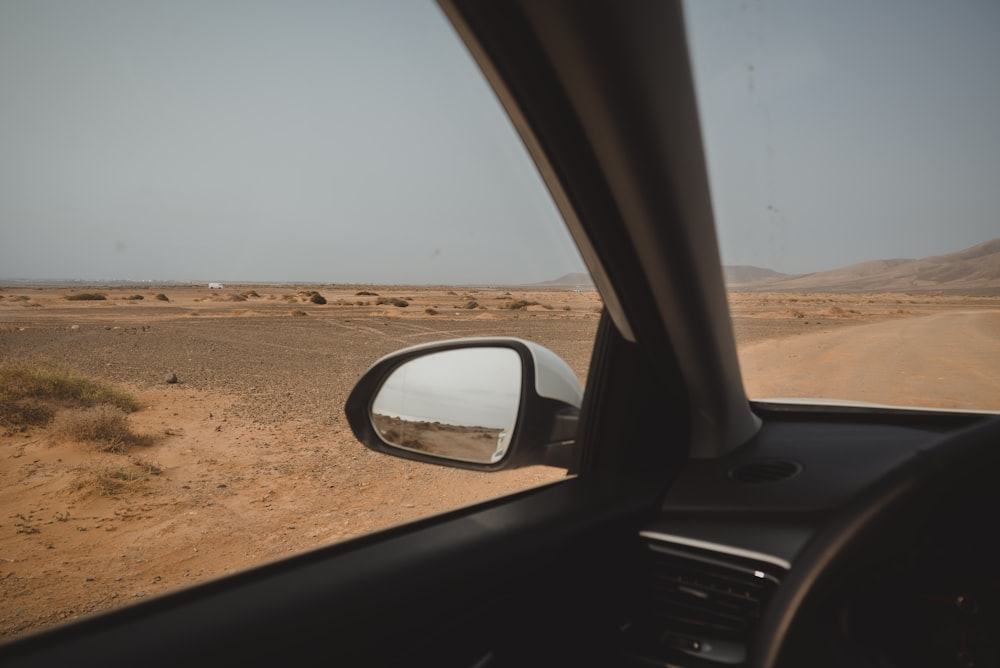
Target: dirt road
948,360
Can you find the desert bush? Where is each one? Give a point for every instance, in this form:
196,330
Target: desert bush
317,298
394,301
18,415
298,313
518,305
471,305
146,466
134,298
365,293
19,382
162,297
19,298
86,297
250,294
430,311
105,426
113,481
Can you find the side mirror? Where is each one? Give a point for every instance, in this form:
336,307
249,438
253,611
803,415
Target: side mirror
482,403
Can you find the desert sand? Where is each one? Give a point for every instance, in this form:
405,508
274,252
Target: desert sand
252,458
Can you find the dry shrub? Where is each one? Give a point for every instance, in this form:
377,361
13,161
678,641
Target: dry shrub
105,426
298,313
146,466
114,481
19,415
20,381
394,301
317,298
162,297
365,293
471,304
86,297
430,311
518,305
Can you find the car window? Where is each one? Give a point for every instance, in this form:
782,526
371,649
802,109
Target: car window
215,216
853,163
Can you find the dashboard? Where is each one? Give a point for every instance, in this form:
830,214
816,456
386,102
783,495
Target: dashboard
731,532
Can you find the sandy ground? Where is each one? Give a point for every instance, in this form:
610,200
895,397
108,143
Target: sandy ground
253,459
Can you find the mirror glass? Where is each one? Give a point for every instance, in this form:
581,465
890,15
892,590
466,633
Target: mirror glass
461,404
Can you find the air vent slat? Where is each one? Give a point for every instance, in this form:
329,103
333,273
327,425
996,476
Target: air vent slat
765,470
696,598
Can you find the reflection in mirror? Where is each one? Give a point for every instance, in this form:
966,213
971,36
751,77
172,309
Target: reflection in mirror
460,404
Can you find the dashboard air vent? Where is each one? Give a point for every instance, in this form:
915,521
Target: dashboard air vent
765,470
697,603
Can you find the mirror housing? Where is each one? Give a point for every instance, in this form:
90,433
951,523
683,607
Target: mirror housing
547,410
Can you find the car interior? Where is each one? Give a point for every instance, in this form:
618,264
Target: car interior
694,528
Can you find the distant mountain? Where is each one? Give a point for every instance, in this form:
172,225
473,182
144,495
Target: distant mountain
578,280
737,274
973,271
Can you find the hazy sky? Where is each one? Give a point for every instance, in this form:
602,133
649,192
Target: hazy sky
334,141
839,132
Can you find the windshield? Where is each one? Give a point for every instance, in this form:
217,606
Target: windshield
854,164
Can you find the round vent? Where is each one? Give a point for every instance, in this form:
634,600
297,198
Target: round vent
769,470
